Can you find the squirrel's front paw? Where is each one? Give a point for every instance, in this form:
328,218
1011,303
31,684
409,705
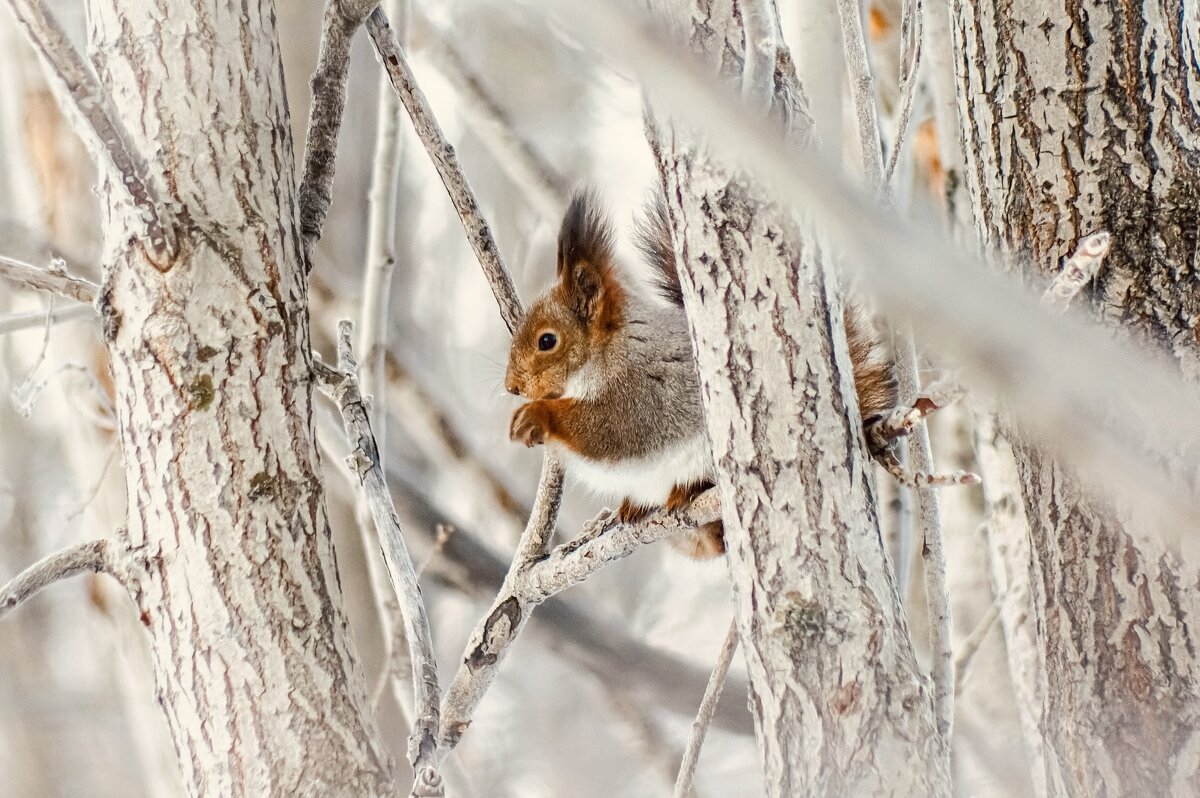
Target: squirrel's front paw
530,424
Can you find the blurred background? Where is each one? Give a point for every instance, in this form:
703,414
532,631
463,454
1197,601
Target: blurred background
531,115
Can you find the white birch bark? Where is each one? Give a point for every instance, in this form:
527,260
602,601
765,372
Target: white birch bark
1079,118
231,563
840,707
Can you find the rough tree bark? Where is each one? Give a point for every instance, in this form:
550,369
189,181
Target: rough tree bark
229,555
1077,117
840,706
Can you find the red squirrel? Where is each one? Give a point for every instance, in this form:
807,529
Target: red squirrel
612,380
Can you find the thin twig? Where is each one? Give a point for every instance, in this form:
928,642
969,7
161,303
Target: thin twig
103,125
911,36
342,19
27,321
90,556
53,278
444,159
712,694
545,188
962,663
364,461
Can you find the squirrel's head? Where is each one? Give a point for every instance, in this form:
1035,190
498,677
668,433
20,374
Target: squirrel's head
572,322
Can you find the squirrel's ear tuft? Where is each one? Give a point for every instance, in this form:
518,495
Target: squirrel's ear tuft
654,240
585,258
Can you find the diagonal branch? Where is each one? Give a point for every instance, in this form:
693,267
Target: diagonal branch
444,159
53,278
103,125
91,556
364,461
708,707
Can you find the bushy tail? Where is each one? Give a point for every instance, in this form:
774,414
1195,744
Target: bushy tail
653,232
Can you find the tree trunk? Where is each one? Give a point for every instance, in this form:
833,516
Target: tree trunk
1076,119
840,707
231,562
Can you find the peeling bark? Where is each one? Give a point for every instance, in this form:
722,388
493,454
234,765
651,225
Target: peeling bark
1078,118
840,707
234,573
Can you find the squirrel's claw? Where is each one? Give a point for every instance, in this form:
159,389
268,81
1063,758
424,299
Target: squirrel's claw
529,425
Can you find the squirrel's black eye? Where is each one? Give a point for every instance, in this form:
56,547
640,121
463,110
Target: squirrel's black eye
547,341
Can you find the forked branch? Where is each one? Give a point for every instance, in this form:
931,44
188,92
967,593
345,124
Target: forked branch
364,461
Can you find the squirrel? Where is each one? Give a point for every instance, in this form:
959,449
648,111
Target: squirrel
612,381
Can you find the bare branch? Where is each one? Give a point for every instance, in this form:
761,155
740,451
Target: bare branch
342,20
444,158
27,321
962,663
1077,270
862,89
104,128
545,188
90,556
911,34
929,523
54,278
708,706
364,461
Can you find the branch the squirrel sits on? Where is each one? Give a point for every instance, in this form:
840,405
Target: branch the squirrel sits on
613,383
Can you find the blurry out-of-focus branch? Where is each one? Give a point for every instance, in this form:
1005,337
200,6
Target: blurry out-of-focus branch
422,747
970,646
92,556
342,20
54,278
479,234
427,424
545,188
762,42
708,707
1055,373
103,126
26,321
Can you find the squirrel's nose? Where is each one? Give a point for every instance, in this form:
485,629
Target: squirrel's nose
512,385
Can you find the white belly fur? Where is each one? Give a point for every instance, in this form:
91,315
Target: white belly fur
646,480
